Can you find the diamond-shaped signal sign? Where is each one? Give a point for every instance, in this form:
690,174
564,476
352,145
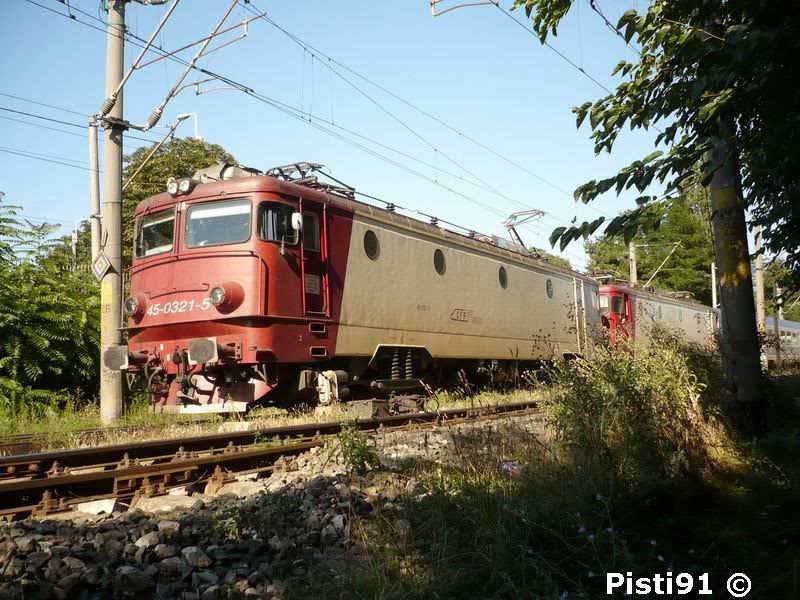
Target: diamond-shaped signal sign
100,265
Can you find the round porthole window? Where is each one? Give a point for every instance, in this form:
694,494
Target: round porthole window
549,287
439,262
503,276
371,246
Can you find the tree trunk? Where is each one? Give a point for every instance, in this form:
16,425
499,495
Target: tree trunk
738,320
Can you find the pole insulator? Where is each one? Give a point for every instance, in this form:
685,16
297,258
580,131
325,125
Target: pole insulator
154,118
108,105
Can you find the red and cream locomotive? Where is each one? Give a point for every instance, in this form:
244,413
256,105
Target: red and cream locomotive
247,287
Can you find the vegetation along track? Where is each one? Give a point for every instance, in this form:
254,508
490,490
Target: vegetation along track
43,483
24,443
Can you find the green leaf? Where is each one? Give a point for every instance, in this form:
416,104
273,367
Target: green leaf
557,233
652,156
626,17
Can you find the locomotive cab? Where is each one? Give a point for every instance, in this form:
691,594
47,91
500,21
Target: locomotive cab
616,311
224,274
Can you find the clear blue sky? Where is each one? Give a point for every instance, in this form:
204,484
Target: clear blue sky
472,68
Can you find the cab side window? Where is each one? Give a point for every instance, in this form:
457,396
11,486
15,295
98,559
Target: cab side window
275,222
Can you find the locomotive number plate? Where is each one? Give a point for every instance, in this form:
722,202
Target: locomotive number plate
178,306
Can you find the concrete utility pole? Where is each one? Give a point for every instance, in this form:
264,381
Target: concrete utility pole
760,312
713,285
776,318
759,264
111,283
740,337
94,188
634,278
75,246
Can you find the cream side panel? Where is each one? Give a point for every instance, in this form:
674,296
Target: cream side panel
694,323
399,298
594,326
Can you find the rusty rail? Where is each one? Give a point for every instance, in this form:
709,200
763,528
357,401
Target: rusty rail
42,483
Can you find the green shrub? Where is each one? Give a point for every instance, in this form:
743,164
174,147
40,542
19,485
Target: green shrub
49,319
644,412
358,453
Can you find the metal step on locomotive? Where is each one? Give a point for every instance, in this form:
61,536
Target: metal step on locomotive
248,287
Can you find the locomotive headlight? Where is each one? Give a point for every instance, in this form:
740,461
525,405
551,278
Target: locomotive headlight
172,186
227,296
131,306
185,186
134,306
217,296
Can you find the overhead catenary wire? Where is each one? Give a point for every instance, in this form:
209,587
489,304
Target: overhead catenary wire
54,107
61,160
68,123
315,53
593,4
72,160
251,92
563,56
310,48
49,160
246,90
56,129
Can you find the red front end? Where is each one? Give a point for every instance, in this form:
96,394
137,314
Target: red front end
231,282
616,310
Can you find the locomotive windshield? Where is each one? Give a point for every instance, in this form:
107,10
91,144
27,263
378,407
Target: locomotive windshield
217,223
617,305
155,233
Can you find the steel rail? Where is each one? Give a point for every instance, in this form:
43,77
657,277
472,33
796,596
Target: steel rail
39,463
29,443
153,467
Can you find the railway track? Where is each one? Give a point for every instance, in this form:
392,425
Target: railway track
38,484
24,443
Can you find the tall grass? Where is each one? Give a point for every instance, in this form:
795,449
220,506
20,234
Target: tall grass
647,413
544,511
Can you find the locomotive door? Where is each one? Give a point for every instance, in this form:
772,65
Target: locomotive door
313,255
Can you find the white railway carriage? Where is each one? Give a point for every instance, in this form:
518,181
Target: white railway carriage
789,336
